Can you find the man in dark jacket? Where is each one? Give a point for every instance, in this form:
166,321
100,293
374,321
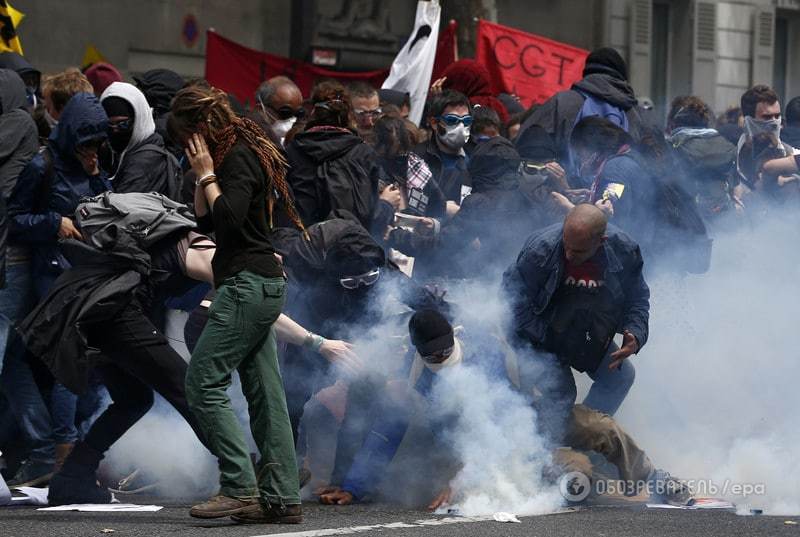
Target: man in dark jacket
605,78
573,287
499,213
450,120
790,133
18,137
141,162
31,76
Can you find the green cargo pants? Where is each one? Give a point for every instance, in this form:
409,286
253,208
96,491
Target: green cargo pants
239,336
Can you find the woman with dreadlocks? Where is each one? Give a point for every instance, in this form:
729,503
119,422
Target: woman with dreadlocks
240,176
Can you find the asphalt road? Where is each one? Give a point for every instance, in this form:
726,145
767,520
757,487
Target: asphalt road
390,521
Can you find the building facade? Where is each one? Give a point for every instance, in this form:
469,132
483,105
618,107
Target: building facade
714,49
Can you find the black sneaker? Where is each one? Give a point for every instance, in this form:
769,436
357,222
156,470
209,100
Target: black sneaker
68,489
32,474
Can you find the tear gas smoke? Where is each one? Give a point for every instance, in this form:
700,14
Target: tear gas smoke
715,398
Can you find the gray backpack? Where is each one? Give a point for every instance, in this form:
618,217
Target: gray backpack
148,217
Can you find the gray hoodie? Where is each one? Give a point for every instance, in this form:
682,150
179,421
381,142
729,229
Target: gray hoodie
19,140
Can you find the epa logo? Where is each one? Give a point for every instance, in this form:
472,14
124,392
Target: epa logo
574,486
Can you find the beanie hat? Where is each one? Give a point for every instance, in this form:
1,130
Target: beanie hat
102,75
607,61
117,106
430,332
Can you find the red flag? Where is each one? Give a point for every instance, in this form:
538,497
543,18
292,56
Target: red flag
446,51
527,65
239,70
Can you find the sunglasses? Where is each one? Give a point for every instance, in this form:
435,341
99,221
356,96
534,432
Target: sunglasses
122,125
286,112
452,120
372,113
366,279
531,167
438,357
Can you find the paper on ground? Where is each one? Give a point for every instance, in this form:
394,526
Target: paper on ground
505,517
698,503
105,508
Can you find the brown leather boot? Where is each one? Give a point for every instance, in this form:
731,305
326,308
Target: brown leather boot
220,506
273,514
62,452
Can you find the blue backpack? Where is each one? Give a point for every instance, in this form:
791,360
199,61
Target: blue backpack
592,106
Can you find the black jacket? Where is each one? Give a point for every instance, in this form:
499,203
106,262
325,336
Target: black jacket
557,115
449,183
791,136
97,286
3,241
331,171
19,139
149,167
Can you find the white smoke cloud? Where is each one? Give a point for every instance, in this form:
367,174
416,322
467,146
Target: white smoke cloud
715,397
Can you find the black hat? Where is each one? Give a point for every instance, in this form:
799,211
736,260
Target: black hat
536,145
430,332
117,106
607,61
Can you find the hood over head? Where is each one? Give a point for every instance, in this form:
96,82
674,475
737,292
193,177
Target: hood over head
606,60
82,120
12,91
159,87
143,123
494,164
338,247
17,62
611,89
326,144
535,144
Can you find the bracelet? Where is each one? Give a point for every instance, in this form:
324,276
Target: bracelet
313,341
206,176
207,181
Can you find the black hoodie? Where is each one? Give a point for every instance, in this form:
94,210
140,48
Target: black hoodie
18,136
333,170
557,115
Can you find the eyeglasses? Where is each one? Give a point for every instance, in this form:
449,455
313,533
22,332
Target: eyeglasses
286,112
366,279
452,120
438,357
122,125
531,168
372,113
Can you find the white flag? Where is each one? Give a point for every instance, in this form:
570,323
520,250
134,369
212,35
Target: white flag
412,68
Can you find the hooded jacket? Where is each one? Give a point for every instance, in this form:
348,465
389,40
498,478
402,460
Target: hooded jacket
333,170
159,87
51,186
18,63
145,165
18,136
557,115
530,284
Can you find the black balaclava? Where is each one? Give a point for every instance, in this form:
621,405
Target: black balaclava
607,61
119,138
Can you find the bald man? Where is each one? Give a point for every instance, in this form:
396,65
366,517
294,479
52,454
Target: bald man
281,104
573,287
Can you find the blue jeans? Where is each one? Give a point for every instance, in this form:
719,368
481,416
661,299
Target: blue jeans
552,379
17,380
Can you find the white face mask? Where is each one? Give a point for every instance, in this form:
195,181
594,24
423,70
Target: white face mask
754,127
455,137
282,126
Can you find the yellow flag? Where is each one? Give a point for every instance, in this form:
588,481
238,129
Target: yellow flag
91,55
9,22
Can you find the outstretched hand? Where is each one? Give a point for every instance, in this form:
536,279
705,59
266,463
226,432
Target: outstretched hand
629,346
341,353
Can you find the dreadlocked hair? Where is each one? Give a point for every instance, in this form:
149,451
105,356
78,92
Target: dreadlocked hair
208,111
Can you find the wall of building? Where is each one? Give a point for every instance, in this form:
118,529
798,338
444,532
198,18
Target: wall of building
136,35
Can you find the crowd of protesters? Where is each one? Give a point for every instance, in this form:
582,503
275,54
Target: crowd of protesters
287,231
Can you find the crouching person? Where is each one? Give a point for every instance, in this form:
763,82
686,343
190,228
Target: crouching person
239,173
439,351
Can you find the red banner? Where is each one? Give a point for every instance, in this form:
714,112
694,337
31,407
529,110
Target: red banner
239,70
527,65
446,50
